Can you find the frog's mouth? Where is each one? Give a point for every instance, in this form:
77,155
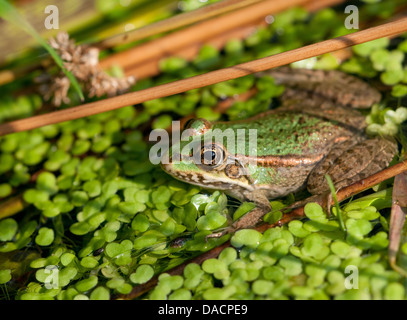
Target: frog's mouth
214,179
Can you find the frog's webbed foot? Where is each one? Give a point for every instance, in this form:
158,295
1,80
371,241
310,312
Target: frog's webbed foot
222,232
351,162
249,220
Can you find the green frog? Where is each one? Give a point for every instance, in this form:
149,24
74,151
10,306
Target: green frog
317,130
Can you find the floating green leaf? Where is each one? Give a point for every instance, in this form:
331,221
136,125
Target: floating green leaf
247,237
8,228
143,274
86,284
5,276
100,293
45,236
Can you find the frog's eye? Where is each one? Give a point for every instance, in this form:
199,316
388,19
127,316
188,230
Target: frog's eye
211,156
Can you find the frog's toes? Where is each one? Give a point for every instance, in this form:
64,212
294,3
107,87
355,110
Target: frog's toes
219,234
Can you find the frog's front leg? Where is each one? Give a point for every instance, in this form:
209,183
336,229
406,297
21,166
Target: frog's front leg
251,218
350,162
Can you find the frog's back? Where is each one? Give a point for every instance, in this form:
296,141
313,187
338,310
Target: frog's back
286,134
289,145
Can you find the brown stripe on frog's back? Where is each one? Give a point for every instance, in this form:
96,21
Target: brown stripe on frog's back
284,161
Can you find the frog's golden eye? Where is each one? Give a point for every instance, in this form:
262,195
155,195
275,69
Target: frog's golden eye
211,156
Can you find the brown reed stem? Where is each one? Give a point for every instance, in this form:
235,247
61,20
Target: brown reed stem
12,206
386,30
175,22
142,70
151,67
198,33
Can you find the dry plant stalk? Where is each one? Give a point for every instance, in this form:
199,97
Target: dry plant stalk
12,206
198,15
151,67
386,30
154,29
83,62
178,21
198,33
169,24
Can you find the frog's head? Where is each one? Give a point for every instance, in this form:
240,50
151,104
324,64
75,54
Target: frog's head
199,160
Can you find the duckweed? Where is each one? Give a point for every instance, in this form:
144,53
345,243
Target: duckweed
143,274
86,284
8,229
250,238
5,276
100,293
280,264
45,236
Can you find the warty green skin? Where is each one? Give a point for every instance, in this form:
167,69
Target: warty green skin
289,146
316,132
